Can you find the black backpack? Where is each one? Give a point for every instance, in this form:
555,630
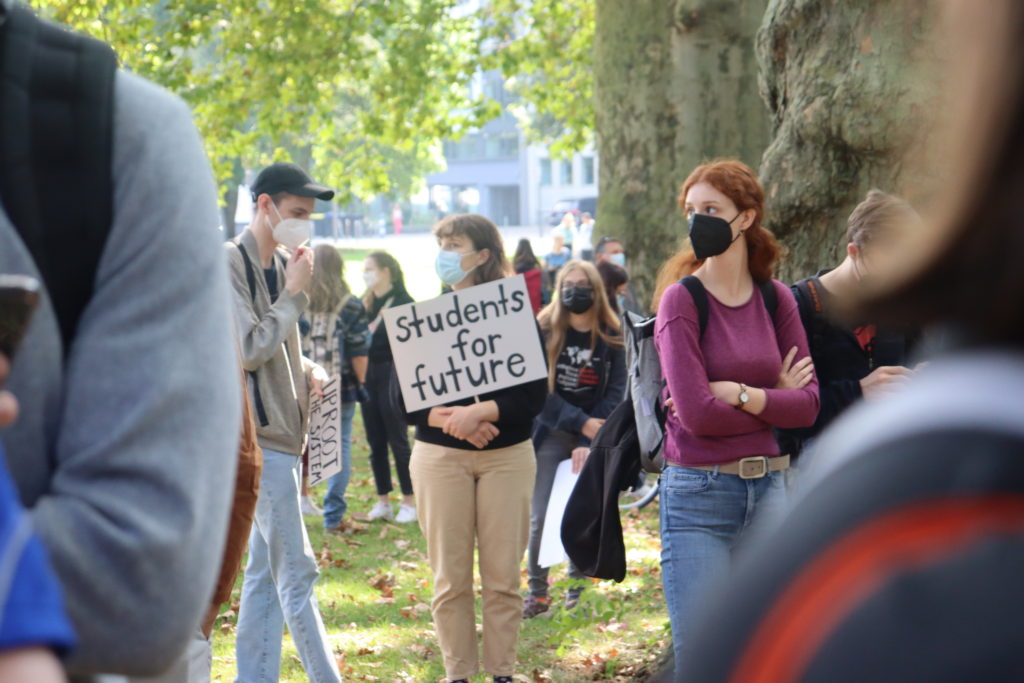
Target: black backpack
646,381
56,143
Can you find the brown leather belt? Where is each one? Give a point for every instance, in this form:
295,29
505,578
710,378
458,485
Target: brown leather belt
755,467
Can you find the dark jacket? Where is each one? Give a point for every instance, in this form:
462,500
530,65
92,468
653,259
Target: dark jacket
591,527
563,415
380,346
839,360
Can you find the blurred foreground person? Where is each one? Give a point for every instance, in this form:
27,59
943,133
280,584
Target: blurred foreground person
901,561
125,448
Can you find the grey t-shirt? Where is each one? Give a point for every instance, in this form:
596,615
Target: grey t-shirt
125,456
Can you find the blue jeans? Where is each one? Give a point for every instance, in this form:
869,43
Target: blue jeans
335,504
702,516
278,584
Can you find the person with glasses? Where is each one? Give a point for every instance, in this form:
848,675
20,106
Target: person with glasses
586,380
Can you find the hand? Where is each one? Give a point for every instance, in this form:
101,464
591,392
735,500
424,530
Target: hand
8,404
591,427
299,270
362,395
483,435
438,416
463,422
728,392
670,404
579,456
795,376
883,380
317,378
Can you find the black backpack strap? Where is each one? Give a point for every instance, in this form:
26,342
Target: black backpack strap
700,299
250,272
56,142
770,297
257,397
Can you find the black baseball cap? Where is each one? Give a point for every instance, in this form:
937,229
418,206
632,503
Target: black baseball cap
287,177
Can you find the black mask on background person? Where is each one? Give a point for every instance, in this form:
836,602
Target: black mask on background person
711,235
578,299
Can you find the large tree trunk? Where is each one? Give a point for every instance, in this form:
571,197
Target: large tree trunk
229,199
850,87
675,85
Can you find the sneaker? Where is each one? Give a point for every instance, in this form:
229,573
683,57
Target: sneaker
406,514
381,510
309,507
534,605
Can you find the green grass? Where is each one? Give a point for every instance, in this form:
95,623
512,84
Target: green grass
374,593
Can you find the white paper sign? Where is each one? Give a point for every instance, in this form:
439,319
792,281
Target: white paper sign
551,550
325,432
465,343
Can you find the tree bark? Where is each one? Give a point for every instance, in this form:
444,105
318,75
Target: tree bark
851,88
675,85
229,200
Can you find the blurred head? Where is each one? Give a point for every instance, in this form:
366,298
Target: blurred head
585,217
327,286
382,271
610,249
557,242
615,280
568,220
524,258
478,243
962,265
872,225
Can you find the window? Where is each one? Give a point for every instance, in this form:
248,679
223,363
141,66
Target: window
588,170
566,173
501,145
545,171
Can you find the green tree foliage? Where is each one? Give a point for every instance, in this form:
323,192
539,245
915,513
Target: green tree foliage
362,89
544,49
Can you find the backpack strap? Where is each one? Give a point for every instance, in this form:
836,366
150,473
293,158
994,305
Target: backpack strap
257,397
56,105
700,299
250,272
770,297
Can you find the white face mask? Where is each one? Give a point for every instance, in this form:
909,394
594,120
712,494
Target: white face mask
370,278
291,232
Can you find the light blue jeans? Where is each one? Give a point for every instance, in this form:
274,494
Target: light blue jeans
278,585
703,514
335,504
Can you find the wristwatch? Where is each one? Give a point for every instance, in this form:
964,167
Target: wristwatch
744,396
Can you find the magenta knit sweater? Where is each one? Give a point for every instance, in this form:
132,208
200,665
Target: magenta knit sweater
740,344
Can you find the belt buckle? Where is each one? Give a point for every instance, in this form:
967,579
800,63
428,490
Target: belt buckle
755,467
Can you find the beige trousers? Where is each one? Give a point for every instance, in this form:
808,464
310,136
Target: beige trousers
467,499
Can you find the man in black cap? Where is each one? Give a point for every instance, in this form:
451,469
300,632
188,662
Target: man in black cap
270,269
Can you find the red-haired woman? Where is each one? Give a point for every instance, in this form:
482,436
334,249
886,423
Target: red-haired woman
730,383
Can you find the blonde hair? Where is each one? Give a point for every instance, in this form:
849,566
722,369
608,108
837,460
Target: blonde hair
554,318
327,287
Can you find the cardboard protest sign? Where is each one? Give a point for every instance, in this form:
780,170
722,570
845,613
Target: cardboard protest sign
465,343
325,432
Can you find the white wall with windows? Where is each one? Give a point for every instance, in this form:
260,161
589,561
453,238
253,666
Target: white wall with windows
549,180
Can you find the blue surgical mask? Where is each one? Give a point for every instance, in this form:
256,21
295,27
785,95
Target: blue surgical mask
449,267
618,259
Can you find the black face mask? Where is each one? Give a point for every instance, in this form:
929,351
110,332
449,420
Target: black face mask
578,299
711,235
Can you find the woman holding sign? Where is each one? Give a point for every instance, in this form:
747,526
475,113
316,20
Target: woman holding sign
586,380
473,467
385,287
336,336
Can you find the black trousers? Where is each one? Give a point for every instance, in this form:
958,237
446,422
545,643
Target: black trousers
386,426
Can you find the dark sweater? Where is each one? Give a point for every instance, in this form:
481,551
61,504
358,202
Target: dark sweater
517,406
563,413
840,360
380,346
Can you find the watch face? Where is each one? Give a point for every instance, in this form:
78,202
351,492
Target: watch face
744,397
